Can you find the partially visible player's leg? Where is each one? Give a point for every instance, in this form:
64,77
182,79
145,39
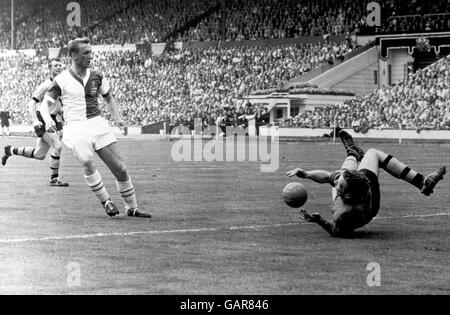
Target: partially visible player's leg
84,153
376,159
39,152
112,157
371,161
54,141
350,163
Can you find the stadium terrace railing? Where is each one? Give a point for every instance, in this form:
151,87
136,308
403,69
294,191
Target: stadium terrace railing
262,42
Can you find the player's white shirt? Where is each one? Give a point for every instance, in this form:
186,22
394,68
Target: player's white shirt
39,93
82,113
79,98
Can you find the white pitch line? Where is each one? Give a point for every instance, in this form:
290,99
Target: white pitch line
125,234
198,230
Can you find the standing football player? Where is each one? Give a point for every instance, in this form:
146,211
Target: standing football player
5,118
356,189
86,131
45,140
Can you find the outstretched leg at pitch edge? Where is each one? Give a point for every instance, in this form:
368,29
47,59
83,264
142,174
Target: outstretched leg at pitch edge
83,152
375,159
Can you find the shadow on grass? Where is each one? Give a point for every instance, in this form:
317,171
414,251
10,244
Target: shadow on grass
375,235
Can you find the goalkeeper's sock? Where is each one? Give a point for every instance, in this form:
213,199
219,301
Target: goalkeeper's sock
401,171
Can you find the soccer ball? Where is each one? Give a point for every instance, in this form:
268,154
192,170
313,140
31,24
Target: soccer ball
295,195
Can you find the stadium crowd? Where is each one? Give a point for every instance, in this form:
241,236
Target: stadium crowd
179,84
212,84
421,102
42,23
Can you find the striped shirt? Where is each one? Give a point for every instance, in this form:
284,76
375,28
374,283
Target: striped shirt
79,97
39,93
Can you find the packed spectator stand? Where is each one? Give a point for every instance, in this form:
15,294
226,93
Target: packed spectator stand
179,84
42,23
213,84
421,102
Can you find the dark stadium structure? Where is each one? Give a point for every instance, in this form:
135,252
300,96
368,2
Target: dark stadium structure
281,75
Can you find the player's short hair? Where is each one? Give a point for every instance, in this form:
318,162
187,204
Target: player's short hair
356,192
74,45
357,188
50,62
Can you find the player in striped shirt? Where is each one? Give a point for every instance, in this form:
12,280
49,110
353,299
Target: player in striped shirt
86,132
45,140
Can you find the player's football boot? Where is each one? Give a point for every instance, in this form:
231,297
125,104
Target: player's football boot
57,183
350,146
432,180
7,155
138,213
111,209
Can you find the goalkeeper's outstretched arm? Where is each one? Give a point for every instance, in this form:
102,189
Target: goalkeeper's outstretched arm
328,226
319,176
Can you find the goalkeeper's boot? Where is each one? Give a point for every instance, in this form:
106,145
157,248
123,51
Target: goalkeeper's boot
350,146
432,180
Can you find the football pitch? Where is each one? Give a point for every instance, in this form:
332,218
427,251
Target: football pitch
218,228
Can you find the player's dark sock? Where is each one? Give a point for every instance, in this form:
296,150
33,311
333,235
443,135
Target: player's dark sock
54,166
401,171
25,152
350,146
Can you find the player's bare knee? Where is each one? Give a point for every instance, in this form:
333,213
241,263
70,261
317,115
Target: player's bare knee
86,159
57,147
121,172
40,155
372,152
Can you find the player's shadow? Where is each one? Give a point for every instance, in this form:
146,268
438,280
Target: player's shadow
375,235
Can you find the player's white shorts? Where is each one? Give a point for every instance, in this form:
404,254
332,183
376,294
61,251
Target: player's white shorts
95,131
